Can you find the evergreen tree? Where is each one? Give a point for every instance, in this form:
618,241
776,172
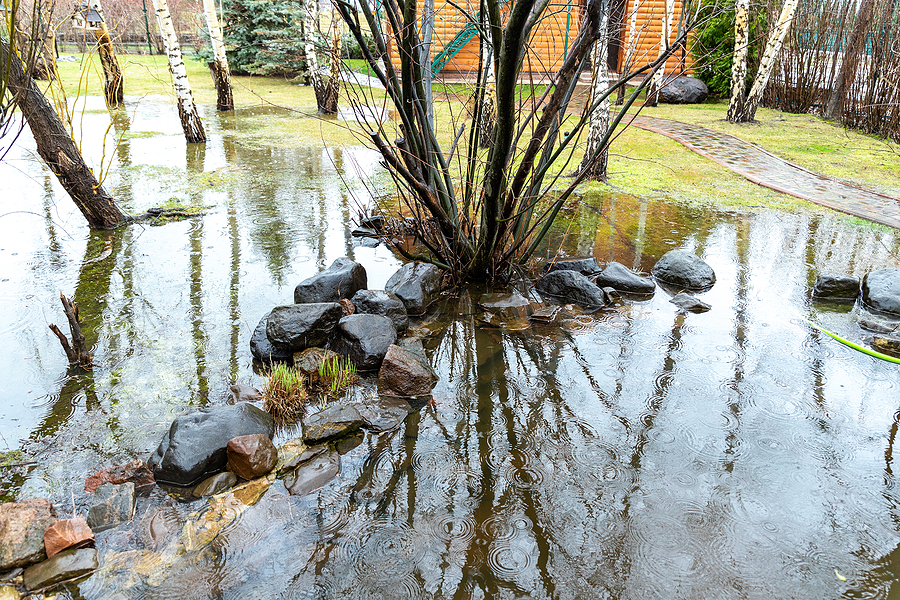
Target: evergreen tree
265,37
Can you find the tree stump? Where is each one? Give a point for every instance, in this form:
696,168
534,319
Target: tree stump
77,352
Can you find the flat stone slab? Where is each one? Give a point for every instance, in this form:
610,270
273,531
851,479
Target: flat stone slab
334,421
68,564
383,413
313,474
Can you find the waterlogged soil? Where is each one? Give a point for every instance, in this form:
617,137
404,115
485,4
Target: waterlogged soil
631,452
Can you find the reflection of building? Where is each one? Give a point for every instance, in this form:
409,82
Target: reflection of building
455,45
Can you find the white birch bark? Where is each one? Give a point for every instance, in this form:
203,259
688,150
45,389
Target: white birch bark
629,48
767,64
595,156
310,17
665,35
221,72
187,110
739,61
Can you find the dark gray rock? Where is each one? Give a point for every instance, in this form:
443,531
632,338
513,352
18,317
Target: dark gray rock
313,474
215,484
383,413
364,339
417,285
195,445
22,527
682,269
622,279
364,232
334,421
263,350
586,266
299,326
405,373
572,286
881,290
68,564
384,303
341,280
690,303
112,506
836,287
683,90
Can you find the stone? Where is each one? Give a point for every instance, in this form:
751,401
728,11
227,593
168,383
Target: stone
308,361
586,266
347,307
546,314
384,303
572,286
684,270
313,474
364,232
299,326
332,422
112,506
876,327
383,413
683,90
413,344
341,280
881,290
8,592
68,564
622,279
508,311
135,471
417,285
251,456
374,222
888,344
263,350
241,392
405,373
295,460
348,443
612,294
836,287
215,484
69,533
687,302
364,339
195,445
22,526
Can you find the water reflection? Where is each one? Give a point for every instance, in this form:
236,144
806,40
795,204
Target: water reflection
631,452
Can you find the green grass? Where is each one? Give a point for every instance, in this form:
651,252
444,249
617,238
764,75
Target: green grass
336,375
284,393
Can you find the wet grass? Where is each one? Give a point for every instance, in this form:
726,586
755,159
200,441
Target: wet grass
284,393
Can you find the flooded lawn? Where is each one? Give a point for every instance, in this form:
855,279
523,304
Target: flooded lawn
633,452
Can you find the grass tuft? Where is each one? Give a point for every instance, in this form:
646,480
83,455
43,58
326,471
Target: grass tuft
336,375
284,393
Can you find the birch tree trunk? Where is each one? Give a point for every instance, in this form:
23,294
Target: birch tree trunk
313,76
488,115
656,83
767,64
221,74
57,149
187,110
739,62
595,157
629,49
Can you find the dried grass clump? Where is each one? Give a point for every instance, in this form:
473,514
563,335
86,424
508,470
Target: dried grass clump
284,393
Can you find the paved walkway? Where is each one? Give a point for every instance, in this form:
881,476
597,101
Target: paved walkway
768,170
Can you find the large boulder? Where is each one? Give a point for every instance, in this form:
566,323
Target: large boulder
622,279
683,90
836,287
572,286
195,445
586,266
341,280
682,269
364,339
22,526
417,285
299,326
265,351
384,303
405,373
881,290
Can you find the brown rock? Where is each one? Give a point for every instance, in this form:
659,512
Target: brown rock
405,373
22,526
241,392
347,307
251,456
70,533
135,471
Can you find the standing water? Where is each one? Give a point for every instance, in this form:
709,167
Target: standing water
633,452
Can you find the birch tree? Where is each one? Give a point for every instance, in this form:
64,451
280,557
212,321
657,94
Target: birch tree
187,110
596,157
739,62
629,48
767,64
221,74
665,34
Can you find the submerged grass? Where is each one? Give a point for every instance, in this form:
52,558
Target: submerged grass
284,393
336,374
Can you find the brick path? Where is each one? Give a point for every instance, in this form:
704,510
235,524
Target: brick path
768,170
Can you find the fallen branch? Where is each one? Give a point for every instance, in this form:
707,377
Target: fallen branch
77,352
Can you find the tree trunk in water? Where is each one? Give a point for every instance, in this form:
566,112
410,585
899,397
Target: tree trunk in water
187,110
595,157
629,49
77,352
739,61
55,146
767,64
221,74
113,90
328,99
665,34
847,71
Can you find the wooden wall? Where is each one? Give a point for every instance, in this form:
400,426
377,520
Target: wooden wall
648,31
